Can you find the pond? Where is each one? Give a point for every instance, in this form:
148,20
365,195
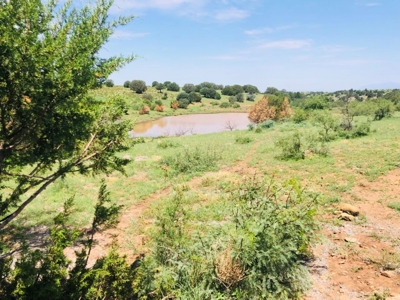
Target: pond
191,124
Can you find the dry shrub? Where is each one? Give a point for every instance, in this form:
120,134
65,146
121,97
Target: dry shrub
228,269
285,110
144,110
263,111
174,105
159,108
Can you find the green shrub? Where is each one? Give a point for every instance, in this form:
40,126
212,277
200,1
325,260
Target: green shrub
292,147
158,102
327,123
147,96
183,103
165,96
236,105
258,129
214,103
243,140
258,253
225,105
167,144
251,126
267,124
193,160
299,116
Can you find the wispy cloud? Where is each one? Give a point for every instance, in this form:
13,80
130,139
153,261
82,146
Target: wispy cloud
373,4
231,57
157,4
230,14
339,48
285,44
267,30
127,35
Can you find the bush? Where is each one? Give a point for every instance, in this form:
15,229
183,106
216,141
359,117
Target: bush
158,102
138,86
258,254
250,97
328,124
189,88
194,97
299,115
250,126
147,96
217,96
383,108
144,110
232,99
174,105
109,83
267,124
225,105
292,147
167,144
183,103
159,108
182,95
193,160
165,96
214,103
258,129
174,87
243,140
240,97
236,105
127,84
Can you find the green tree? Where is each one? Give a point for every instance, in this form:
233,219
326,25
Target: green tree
182,95
127,84
174,87
271,90
248,88
160,87
194,97
138,86
49,126
109,83
154,83
188,88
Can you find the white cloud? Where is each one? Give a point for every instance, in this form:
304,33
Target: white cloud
268,30
285,44
373,4
145,4
126,35
339,48
231,14
259,31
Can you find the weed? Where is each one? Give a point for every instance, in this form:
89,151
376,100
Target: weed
167,144
193,160
243,140
394,205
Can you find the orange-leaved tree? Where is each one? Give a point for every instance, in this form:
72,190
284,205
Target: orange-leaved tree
262,110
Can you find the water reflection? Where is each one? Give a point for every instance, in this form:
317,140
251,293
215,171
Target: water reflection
190,124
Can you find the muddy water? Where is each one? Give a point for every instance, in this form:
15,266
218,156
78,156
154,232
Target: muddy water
190,124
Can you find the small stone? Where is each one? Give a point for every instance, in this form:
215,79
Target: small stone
346,217
388,274
337,212
348,208
351,240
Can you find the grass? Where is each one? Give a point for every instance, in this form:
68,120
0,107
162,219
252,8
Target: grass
333,176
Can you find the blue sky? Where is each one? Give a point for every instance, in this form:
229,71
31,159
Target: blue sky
297,45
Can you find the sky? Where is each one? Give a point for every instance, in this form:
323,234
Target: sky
297,45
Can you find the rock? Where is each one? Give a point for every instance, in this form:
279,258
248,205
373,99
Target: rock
348,208
388,274
337,212
351,240
346,217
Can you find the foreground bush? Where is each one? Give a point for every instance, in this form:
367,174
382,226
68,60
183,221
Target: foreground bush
259,253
